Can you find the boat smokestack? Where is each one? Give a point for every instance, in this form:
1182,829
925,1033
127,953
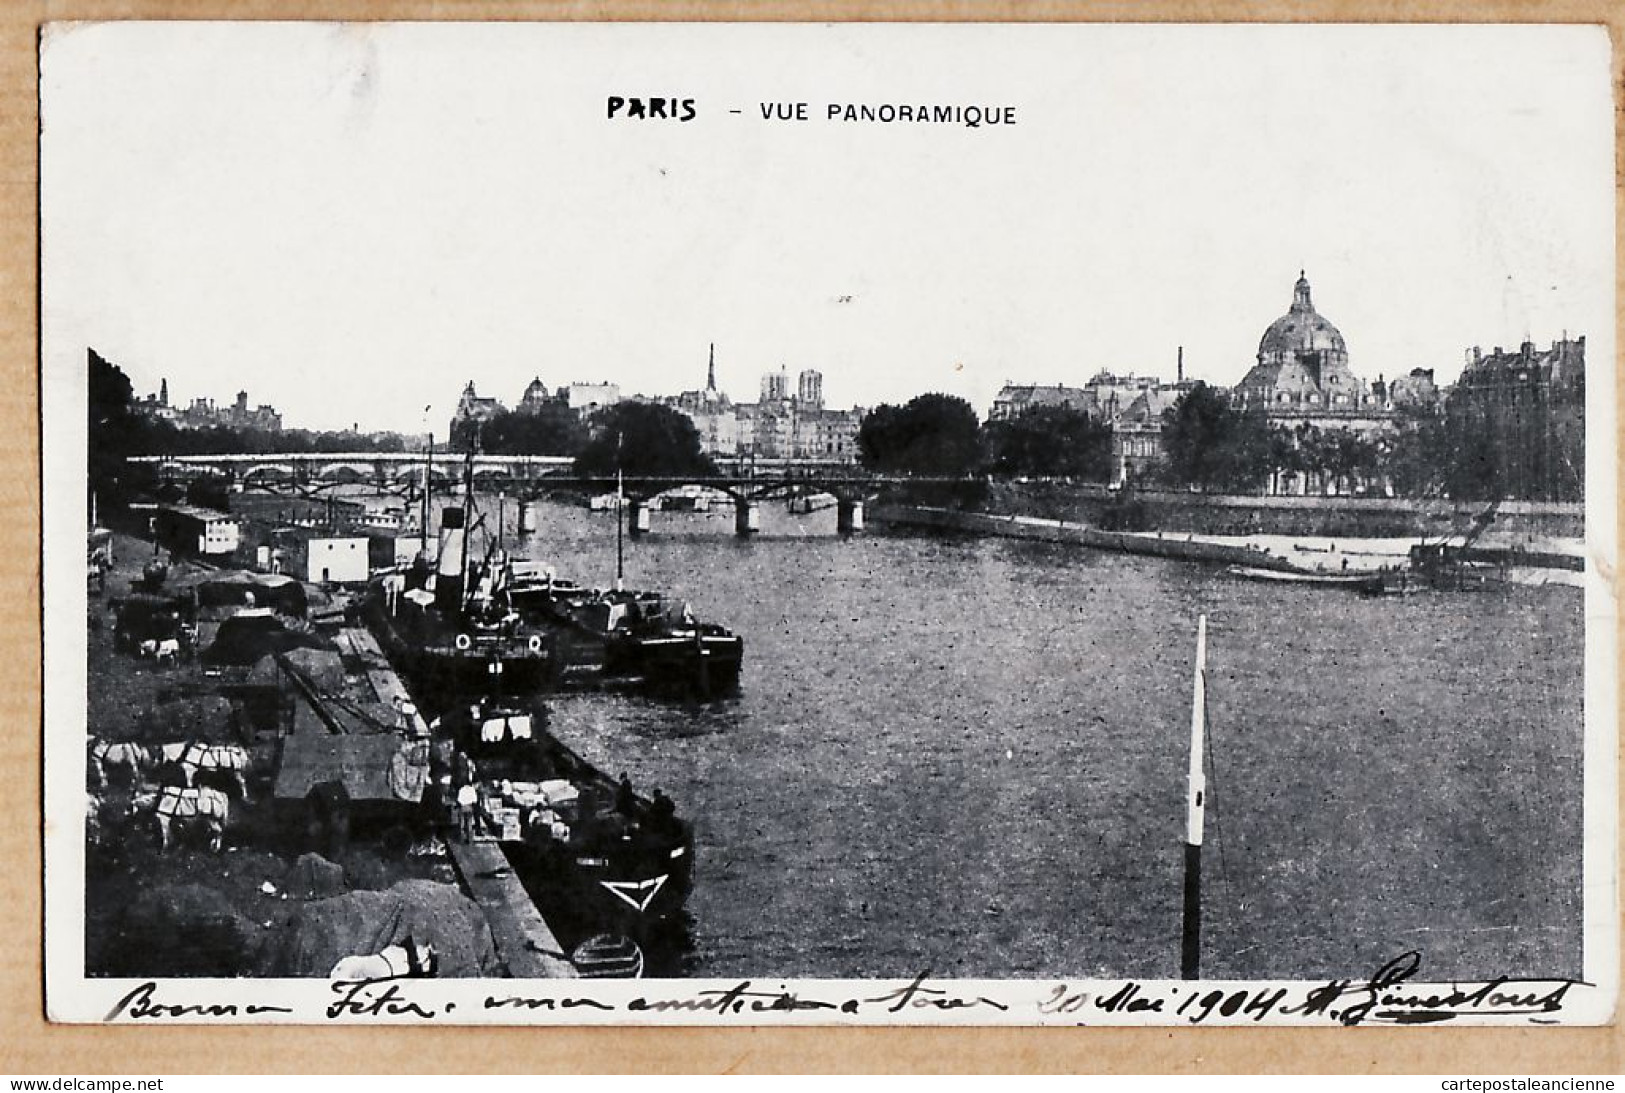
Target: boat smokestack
448,574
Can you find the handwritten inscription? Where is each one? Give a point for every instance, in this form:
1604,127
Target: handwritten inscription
1388,996
143,1004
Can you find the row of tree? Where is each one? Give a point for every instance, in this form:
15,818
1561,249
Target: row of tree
1213,444
1469,451
941,435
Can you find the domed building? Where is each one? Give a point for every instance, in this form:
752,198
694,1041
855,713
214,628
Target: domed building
1303,368
534,398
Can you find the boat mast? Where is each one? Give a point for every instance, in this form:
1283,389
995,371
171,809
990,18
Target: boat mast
620,508
468,502
428,471
1191,949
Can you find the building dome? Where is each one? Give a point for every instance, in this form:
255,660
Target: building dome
1301,330
536,389
1303,364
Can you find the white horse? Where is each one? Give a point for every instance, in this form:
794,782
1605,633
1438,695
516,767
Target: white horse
408,959
198,758
93,819
132,757
199,805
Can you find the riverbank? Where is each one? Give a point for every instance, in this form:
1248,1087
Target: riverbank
1312,554
268,901
1180,511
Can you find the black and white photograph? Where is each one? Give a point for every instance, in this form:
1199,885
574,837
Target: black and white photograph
806,524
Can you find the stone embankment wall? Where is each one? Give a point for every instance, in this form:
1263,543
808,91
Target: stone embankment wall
1211,514
1052,531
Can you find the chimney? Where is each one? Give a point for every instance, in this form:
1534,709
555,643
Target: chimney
448,580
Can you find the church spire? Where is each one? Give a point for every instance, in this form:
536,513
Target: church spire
711,371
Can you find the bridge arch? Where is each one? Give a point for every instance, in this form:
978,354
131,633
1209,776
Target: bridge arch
264,470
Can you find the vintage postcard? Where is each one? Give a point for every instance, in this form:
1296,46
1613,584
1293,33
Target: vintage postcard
856,524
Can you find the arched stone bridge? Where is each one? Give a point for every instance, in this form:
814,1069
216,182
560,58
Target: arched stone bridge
747,480
392,472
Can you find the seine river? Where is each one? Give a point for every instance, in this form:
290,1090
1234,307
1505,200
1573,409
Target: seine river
967,757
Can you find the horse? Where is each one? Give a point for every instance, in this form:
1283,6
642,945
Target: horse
229,760
115,753
93,819
199,804
407,960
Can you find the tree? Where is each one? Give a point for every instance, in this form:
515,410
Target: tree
1214,446
641,438
932,434
1049,441
550,429
116,431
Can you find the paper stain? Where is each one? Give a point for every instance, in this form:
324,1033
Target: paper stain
355,71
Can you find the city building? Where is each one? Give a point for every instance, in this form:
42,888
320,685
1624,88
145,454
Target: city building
588,398
1523,412
781,425
534,398
776,385
1113,394
471,407
1013,400
1412,391
337,561
1137,452
1302,374
189,531
203,413
1135,406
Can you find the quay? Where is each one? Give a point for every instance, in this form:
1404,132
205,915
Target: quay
361,645
1056,531
1549,562
525,943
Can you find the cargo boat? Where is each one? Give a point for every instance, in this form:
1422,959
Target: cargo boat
451,629
598,856
630,634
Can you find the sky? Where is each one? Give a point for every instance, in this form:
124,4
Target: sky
351,221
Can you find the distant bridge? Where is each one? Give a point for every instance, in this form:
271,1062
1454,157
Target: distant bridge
746,480
389,471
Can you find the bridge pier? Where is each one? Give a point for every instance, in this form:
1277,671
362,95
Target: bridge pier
637,517
747,518
527,518
848,516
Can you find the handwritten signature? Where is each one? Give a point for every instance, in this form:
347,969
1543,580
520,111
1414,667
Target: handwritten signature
1383,998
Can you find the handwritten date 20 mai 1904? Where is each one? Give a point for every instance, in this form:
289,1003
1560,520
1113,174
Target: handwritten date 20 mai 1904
1387,997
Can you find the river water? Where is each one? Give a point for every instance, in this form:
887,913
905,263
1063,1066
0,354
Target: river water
967,757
